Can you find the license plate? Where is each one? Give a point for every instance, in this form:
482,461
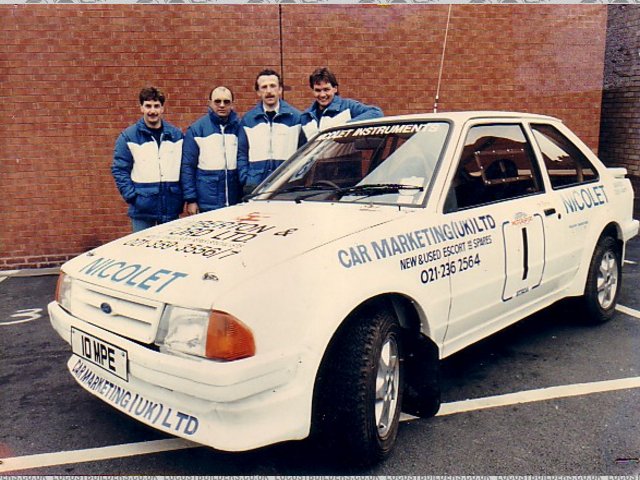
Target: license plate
102,354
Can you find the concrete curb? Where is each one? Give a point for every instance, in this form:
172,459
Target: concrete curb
30,272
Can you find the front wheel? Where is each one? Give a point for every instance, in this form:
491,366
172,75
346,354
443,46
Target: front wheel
359,389
603,282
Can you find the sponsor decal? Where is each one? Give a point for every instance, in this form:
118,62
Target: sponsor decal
620,187
252,217
583,198
521,218
421,239
381,130
236,232
580,225
133,275
211,238
450,268
194,246
155,413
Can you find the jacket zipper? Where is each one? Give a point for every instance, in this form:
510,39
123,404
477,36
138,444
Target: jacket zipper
226,167
162,196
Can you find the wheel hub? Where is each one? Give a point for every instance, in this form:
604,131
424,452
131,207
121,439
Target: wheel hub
607,282
387,380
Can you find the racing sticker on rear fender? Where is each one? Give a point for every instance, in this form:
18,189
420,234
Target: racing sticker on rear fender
590,197
154,413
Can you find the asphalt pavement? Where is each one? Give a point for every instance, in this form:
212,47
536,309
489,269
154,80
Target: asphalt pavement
547,396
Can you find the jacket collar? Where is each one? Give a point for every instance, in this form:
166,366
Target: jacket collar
258,110
167,134
333,107
216,120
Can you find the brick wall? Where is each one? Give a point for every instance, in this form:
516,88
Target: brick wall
620,126
71,75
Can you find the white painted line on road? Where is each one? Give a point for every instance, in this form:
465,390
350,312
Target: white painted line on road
29,272
630,262
157,446
628,311
9,273
538,395
93,454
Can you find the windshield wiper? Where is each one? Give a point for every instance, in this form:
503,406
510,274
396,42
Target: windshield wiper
366,190
292,188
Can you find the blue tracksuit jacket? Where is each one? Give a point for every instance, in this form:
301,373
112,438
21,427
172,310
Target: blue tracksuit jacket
338,112
148,175
264,145
209,173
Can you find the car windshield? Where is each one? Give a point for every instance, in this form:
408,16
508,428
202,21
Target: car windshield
386,164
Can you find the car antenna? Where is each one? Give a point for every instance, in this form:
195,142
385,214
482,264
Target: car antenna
444,48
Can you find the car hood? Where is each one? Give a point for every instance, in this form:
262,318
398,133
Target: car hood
218,250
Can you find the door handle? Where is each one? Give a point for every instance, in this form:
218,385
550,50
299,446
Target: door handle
549,211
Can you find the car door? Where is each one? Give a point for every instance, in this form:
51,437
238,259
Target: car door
497,206
575,193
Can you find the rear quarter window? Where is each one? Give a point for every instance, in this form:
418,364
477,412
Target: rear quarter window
564,161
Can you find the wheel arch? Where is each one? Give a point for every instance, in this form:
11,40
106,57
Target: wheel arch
611,229
603,282
411,317
421,352
614,231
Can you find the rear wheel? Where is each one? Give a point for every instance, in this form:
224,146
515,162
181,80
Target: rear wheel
359,389
603,282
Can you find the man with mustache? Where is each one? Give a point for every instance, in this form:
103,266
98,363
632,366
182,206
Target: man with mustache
146,165
269,132
330,109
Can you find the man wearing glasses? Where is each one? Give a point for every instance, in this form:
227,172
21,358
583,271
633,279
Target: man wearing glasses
209,173
269,133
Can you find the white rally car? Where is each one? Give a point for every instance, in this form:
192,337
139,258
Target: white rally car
324,303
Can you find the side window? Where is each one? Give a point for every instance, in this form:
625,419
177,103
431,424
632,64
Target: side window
497,164
566,164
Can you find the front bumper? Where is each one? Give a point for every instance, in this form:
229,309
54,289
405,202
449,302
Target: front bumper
231,406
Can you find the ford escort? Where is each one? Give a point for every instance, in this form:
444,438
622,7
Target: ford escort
322,305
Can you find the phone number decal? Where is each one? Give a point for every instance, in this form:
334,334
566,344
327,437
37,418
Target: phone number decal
192,248
447,269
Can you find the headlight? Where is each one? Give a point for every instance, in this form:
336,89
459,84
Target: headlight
210,334
63,291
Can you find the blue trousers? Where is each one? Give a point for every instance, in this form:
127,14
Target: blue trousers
138,224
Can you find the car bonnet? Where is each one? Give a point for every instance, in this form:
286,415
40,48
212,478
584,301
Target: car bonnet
182,260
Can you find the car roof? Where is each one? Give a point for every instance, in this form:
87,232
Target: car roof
458,117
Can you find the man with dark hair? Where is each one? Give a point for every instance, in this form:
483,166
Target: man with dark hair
329,109
146,165
209,156
269,132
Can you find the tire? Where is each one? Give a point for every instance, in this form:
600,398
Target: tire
603,283
359,390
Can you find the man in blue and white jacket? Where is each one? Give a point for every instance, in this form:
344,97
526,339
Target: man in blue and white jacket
209,175
270,132
329,109
146,165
